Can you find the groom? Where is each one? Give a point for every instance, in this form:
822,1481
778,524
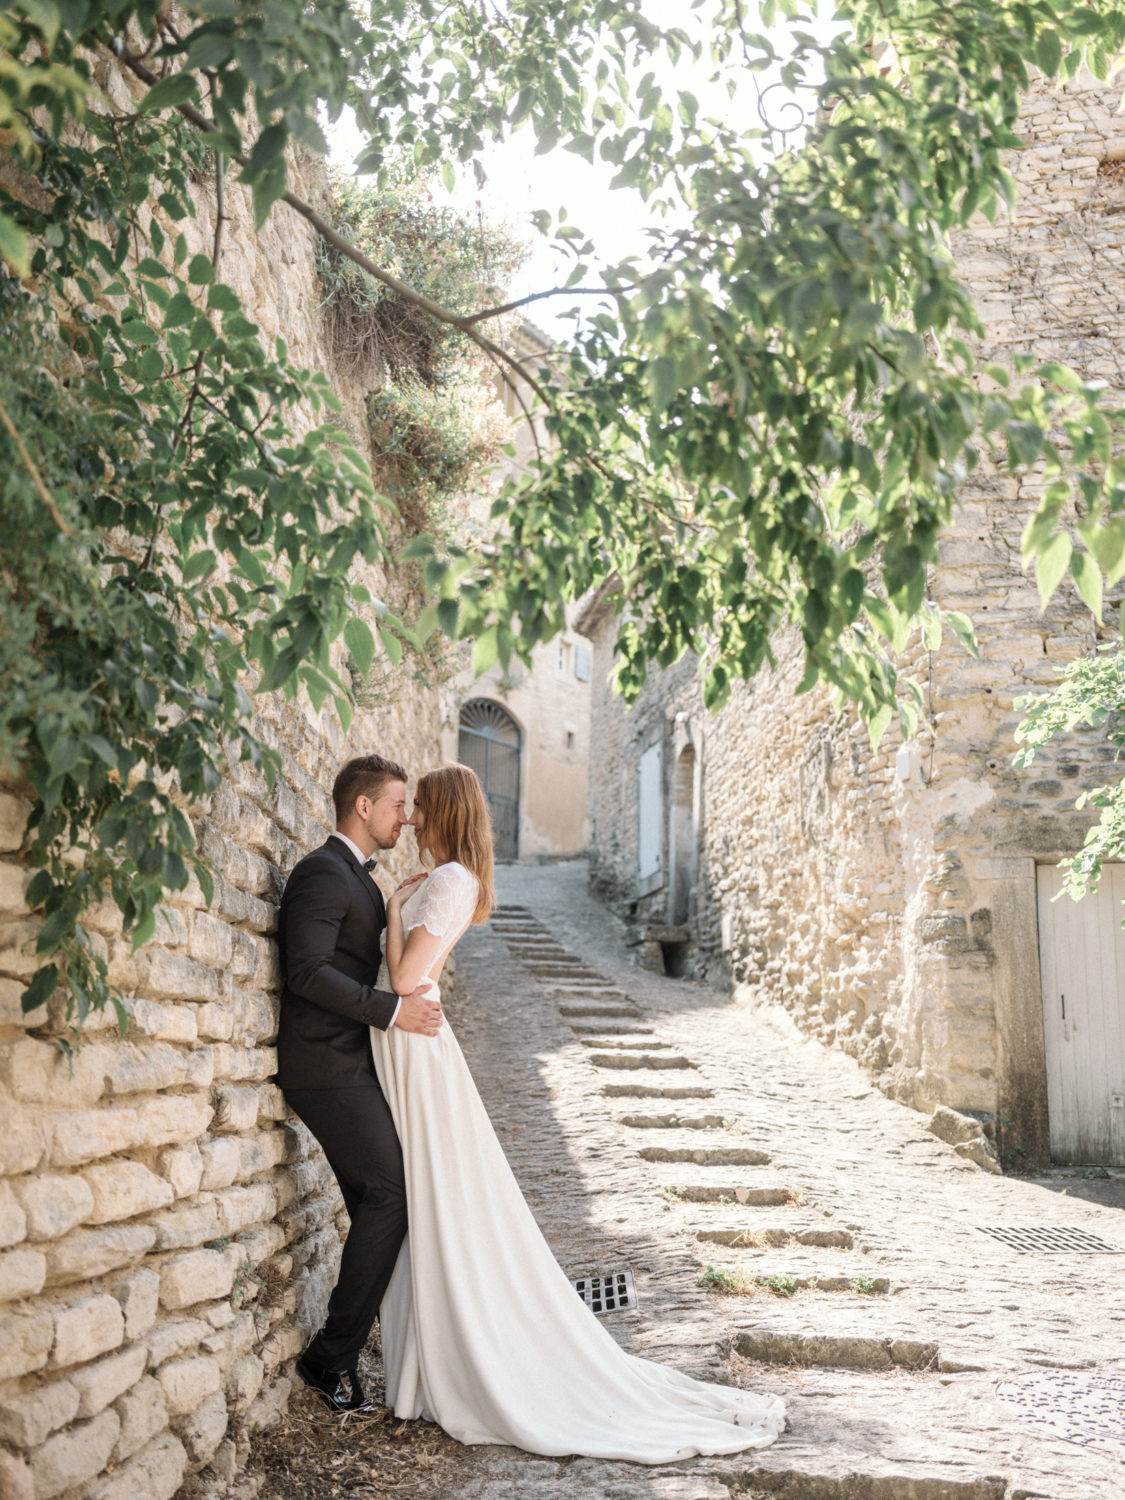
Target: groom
329,925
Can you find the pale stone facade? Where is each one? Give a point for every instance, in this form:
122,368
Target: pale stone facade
549,701
169,1233
887,897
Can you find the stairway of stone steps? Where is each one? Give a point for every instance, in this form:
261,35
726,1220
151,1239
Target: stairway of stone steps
609,1024
766,1156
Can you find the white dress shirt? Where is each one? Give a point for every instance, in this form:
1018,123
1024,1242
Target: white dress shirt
359,854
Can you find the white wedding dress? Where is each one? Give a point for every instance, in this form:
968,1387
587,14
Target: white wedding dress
481,1330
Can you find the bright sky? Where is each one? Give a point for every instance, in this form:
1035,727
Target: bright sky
520,182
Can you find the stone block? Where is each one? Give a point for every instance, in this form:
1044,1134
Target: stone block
188,1225
88,1134
271,1104
174,1119
22,1273
93,1252
11,1009
204,1429
100,1383
200,1068
172,976
244,1381
17,952
16,1481
25,1138
53,1205
138,1296
166,1023
210,941
214,1021
221,1160
245,955
13,1220
951,1127
144,1069
255,1017
172,1337
86,1329
36,1072
187,1382
29,1420
74,1456
237,1109
14,881
14,813
156,1473
182,1167
198,1276
143,1414
123,1189
262,1242
981,1152
242,1206
282,1344
265,1411
26,1334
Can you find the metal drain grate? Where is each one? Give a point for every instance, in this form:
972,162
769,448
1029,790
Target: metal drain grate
1048,1239
606,1294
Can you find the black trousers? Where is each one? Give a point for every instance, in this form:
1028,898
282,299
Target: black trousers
355,1128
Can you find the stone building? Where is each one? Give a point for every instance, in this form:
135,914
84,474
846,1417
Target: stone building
898,901
525,730
168,1232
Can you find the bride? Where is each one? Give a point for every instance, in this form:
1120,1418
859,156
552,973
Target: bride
481,1330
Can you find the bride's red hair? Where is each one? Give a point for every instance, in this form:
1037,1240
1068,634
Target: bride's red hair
456,814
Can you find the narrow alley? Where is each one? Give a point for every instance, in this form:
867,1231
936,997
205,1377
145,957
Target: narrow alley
655,1126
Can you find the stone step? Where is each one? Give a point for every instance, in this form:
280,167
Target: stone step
623,1046
842,1351
673,1122
582,989
560,971
656,1091
600,1012
755,1235
753,1197
638,1060
709,1156
585,1030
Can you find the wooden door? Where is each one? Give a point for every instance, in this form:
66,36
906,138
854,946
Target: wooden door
1082,961
489,743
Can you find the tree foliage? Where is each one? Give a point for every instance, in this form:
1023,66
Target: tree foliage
1092,693
765,424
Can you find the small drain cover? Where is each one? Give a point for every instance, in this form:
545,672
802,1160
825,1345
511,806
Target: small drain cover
1049,1239
606,1294
1071,1406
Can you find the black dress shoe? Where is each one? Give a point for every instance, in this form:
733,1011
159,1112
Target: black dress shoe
333,1386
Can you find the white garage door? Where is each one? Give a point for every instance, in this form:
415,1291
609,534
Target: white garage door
1082,961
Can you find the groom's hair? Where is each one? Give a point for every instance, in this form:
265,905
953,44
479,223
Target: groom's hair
366,776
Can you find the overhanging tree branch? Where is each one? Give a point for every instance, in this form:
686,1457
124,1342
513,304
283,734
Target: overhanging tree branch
345,247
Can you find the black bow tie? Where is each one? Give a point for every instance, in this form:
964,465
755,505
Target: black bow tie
370,864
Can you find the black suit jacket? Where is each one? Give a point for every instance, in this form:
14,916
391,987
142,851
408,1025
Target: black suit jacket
328,929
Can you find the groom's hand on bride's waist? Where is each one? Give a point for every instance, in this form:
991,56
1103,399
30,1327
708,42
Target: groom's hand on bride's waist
419,1013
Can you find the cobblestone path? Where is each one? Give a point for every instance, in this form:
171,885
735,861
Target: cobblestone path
657,1126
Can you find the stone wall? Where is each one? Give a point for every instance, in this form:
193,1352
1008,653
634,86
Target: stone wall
168,1232
882,895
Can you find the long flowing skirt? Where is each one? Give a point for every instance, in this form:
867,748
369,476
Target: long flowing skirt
483,1333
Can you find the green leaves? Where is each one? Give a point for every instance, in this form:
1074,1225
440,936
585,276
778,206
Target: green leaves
177,88
361,643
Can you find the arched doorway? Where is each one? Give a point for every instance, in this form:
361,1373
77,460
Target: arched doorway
489,743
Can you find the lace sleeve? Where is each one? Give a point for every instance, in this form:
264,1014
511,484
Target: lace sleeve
448,899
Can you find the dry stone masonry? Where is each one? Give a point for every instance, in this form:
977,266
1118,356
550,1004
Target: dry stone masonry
887,897
168,1233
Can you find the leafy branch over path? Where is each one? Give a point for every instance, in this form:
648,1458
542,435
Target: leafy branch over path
765,425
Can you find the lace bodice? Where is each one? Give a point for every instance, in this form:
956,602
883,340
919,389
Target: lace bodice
443,904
